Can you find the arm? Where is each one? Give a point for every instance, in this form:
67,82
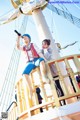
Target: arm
39,52
18,43
48,53
42,56
69,45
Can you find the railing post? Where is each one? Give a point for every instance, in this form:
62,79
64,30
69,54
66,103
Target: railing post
76,62
70,72
42,87
52,85
12,112
62,83
35,99
27,98
18,98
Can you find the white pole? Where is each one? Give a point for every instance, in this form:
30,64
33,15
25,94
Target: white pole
44,33
43,30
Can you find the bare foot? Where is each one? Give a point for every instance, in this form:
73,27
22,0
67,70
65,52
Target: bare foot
46,79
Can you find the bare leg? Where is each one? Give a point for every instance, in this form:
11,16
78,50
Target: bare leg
44,71
43,68
29,84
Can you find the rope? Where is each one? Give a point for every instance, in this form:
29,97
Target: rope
74,3
63,8
68,16
10,78
53,24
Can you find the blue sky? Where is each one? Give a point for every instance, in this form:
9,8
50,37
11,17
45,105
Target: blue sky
62,30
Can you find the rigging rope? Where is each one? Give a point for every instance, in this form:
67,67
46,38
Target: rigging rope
64,8
53,23
10,78
75,3
70,17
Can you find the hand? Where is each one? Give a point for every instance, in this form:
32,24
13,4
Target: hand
19,37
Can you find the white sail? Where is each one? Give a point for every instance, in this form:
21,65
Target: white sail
10,16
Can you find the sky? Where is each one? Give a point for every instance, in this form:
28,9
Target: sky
62,31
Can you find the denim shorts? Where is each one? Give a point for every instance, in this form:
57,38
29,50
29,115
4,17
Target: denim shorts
32,65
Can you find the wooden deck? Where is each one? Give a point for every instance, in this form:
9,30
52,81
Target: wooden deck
67,112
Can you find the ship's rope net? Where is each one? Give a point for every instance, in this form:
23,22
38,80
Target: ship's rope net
10,78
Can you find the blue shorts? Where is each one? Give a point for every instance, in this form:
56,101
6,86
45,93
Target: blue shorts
32,65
